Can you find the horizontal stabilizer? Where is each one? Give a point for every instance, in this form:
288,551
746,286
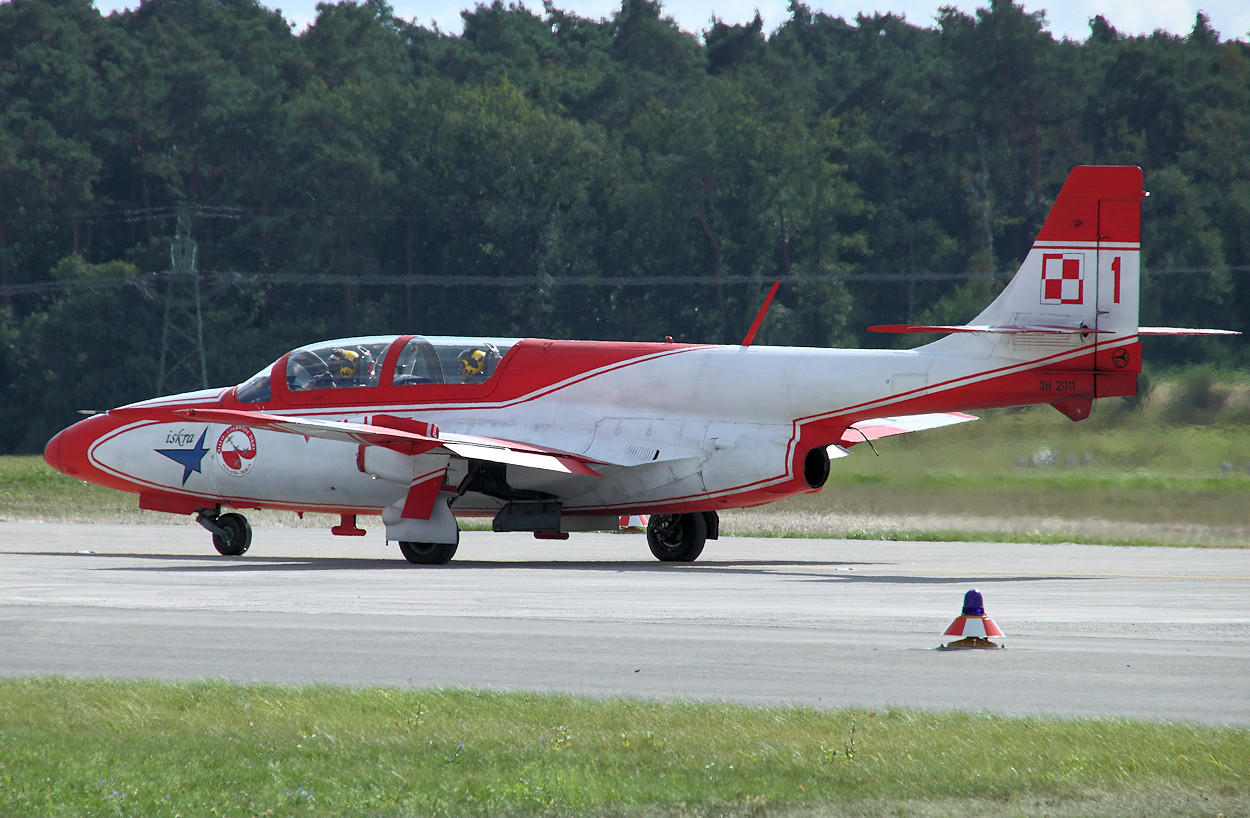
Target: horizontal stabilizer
1166,331
874,428
1040,329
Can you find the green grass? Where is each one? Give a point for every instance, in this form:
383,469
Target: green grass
112,748
30,489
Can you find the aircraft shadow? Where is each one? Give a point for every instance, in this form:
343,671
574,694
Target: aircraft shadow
845,572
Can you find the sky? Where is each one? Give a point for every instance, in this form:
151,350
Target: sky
1065,18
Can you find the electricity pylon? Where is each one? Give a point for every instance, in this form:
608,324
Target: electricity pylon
183,366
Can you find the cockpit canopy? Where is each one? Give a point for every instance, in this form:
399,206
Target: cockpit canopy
395,360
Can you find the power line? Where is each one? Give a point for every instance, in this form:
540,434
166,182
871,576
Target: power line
180,212
234,278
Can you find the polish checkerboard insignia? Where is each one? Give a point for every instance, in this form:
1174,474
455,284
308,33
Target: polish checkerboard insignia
1063,278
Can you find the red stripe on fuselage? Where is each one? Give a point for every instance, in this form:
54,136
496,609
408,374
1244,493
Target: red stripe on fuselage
1011,385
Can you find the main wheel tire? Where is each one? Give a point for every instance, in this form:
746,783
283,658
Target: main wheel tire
428,553
677,537
238,535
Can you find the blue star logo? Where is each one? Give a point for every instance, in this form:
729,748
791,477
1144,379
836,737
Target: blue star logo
189,459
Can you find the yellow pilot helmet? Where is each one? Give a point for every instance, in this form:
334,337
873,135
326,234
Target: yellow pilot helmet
473,363
343,364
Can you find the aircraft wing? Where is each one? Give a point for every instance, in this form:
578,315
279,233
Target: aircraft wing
405,436
873,428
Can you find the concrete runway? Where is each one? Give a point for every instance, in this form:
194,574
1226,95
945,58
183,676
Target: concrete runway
1154,633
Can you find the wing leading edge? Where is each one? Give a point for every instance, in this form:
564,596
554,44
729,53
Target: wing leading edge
404,436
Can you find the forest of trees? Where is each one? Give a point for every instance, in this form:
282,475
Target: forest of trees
551,175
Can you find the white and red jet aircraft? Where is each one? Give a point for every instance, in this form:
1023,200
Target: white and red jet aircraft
558,436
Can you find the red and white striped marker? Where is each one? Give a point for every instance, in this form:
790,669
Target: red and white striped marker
972,625
635,523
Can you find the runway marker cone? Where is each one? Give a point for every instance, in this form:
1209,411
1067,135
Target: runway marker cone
973,625
632,524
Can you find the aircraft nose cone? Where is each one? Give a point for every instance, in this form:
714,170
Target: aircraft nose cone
67,450
52,452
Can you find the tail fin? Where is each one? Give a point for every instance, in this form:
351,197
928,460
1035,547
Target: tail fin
1072,308
1081,275
1082,272
1065,329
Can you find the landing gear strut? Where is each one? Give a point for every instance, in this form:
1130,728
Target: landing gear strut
232,533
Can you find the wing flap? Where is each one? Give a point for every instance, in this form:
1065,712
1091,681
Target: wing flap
518,457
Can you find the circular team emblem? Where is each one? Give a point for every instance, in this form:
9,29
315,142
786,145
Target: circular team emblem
236,450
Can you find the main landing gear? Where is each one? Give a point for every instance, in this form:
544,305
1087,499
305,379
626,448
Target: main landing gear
671,537
681,537
232,533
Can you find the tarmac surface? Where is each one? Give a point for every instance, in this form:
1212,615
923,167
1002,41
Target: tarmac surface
1154,633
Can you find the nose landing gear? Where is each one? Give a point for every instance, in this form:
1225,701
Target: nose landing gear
232,533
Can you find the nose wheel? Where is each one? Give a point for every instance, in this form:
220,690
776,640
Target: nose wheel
232,533
422,553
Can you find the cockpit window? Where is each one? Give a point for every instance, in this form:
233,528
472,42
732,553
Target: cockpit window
418,363
336,365
256,389
449,360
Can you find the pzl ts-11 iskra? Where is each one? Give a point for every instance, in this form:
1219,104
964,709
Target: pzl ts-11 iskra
559,436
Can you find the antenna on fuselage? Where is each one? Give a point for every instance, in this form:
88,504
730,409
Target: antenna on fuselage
759,318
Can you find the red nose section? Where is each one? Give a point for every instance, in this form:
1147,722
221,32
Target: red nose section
67,451
52,454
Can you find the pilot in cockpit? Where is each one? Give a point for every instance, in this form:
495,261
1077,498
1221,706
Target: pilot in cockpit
476,363
349,367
